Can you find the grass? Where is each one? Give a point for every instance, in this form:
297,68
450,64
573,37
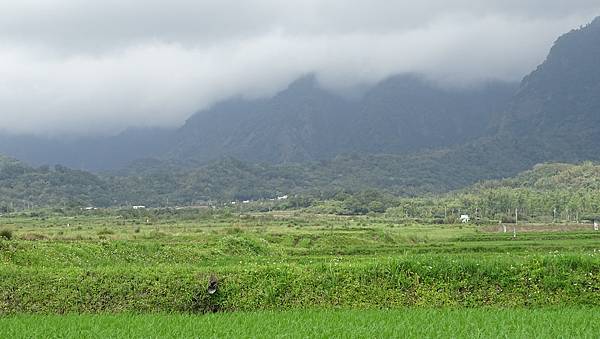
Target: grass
405,323
113,263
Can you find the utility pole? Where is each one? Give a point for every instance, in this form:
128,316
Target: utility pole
516,216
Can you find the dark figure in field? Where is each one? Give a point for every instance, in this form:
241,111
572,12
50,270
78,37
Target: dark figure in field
213,283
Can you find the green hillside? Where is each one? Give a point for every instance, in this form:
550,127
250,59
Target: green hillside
548,192
346,185
22,186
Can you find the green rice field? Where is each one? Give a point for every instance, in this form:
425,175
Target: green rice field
402,323
293,275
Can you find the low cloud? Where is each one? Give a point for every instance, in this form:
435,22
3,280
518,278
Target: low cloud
80,68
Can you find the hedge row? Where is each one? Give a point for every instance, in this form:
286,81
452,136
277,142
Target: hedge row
537,281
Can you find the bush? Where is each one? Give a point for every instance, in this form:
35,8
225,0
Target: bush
6,234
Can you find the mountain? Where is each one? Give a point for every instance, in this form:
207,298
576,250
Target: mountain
298,124
551,118
302,123
305,122
487,132
405,113
557,106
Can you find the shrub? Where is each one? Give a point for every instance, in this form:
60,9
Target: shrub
6,234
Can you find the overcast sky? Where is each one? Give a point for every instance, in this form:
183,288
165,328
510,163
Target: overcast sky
97,67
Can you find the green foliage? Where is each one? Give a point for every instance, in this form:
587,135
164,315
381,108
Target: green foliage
6,234
412,281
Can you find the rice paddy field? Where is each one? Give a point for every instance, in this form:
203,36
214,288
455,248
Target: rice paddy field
292,274
411,323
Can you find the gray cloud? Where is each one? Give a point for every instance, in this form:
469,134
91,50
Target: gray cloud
97,67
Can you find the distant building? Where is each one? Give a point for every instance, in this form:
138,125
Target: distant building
140,207
465,218
283,197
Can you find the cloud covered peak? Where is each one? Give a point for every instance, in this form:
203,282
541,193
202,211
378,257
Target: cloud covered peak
90,67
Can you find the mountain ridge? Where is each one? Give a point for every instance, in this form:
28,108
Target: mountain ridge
302,123
401,114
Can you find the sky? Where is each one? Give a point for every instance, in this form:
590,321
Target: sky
80,67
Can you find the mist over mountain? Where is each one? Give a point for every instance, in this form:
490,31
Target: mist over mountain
92,153
304,122
80,69
551,118
476,134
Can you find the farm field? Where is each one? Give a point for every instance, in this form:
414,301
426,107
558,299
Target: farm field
405,323
115,267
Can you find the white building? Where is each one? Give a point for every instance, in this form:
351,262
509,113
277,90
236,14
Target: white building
465,218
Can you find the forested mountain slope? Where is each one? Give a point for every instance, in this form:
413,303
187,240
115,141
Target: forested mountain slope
22,186
552,118
302,123
558,104
305,122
